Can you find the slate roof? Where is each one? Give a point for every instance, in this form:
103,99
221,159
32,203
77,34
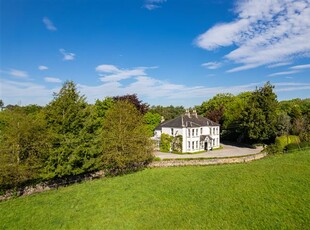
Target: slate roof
187,121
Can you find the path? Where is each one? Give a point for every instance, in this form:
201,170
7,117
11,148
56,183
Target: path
227,151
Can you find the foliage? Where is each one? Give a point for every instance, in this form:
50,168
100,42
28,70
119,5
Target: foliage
214,108
283,123
133,99
168,112
297,146
152,120
165,142
24,145
227,110
272,193
298,111
177,144
98,111
126,146
273,149
73,145
284,140
258,120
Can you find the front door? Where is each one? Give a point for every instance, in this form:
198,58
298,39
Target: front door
206,145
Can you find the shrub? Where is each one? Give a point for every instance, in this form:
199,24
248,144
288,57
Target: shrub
284,140
165,142
177,144
273,149
295,146
156,159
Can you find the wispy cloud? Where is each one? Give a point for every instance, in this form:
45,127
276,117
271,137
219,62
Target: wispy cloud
283,73
307,66
291,86
52,80
153,4
42,67
264,32
211,65
279,64
14,92
17,73
67,56
111,73
49,24
148,88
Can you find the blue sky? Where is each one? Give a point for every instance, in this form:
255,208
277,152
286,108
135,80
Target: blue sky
178,52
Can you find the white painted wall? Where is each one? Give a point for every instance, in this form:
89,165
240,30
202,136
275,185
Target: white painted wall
213,131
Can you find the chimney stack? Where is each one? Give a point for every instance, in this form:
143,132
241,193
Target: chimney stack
187,113
195,113
162,119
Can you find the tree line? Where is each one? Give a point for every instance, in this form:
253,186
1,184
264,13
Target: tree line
70,137
258,117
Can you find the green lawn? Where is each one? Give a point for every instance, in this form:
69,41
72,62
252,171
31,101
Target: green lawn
272,193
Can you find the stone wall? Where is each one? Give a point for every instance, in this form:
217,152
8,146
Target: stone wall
215,161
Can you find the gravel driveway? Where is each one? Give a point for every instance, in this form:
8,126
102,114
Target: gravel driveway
227,151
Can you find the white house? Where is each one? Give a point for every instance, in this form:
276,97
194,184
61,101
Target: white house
198,133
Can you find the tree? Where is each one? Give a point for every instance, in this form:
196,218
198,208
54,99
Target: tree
126,146
168,112
151,120
24,146
73,138
1,104
258,122
214,109
133,98
283,124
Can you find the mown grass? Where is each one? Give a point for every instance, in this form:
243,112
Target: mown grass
272,193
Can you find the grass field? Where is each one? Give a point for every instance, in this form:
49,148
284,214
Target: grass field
272,193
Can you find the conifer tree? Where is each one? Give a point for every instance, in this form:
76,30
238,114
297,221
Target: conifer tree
73,141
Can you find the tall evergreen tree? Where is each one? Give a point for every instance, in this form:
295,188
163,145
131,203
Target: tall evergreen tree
73,138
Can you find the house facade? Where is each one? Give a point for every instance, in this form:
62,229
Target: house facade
198,133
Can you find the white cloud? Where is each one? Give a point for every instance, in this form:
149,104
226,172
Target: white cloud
107,68
212,65
52,80
14,92
279,64
111,73
42,67
283,73
307,66
149,89
153,4
67,56
18,73
291,86
49,24
264,32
